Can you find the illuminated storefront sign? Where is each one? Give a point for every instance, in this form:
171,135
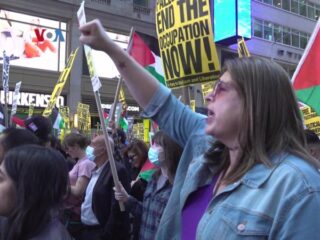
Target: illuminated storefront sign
232,19
26,99
129,109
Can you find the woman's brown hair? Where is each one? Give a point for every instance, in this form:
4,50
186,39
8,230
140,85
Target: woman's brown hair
271,120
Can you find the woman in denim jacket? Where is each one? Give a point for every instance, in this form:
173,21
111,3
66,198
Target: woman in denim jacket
245,172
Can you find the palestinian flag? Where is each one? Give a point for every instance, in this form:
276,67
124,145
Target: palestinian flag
56,119
306,79
147,170
145,50
123,123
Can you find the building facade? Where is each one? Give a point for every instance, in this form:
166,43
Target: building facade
280,31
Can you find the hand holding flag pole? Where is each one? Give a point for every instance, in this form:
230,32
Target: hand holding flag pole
96,86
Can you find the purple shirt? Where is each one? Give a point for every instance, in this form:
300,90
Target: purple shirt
194,208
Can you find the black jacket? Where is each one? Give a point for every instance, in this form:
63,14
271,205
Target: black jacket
106,208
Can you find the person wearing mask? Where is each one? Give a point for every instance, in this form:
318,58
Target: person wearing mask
33,182
245,171
165,153
141,167
75,145
100,213
141,170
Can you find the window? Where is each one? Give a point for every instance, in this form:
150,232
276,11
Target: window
286,35
277,3
311,10
257,28
142,3
303,8
286,5
303,40
295,38
280,34
317,13
267,1
277,33
267,30
294,6
33,42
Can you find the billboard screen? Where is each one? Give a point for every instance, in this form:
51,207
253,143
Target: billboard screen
32,42
232,19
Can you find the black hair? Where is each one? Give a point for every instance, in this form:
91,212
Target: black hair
40,126
121,135
311,137
40,177
14,137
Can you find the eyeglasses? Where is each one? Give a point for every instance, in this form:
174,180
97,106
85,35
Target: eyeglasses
131,157
220,87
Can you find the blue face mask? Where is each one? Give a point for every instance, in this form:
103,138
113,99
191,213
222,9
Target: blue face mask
89,153
153,156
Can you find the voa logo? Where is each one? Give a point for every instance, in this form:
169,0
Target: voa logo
52,35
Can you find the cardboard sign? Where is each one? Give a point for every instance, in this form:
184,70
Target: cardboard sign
15,98
60,84
186,43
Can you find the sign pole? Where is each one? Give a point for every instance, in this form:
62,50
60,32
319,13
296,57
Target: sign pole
96,84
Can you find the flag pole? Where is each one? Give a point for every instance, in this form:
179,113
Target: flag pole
5,82
96,84
116,97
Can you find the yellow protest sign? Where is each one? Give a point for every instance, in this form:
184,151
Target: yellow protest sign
146,124
186,43
138,130
193,105
60,84
206,89
30,111
83,113
311,119
65,112
242,48
122,99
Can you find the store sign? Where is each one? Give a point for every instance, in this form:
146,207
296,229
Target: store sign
26,99
129,109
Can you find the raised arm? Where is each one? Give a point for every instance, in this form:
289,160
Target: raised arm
140,83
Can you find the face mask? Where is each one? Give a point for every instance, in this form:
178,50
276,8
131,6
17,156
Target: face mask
89,153
153,156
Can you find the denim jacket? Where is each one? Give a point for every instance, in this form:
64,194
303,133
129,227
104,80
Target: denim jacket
278,202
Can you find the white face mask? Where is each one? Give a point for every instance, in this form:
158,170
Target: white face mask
153,156
89,153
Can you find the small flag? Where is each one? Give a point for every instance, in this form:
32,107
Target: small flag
58,123
123,123
145,50
147,170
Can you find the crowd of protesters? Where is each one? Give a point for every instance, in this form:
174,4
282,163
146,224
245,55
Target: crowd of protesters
245,170
39,199
248,169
